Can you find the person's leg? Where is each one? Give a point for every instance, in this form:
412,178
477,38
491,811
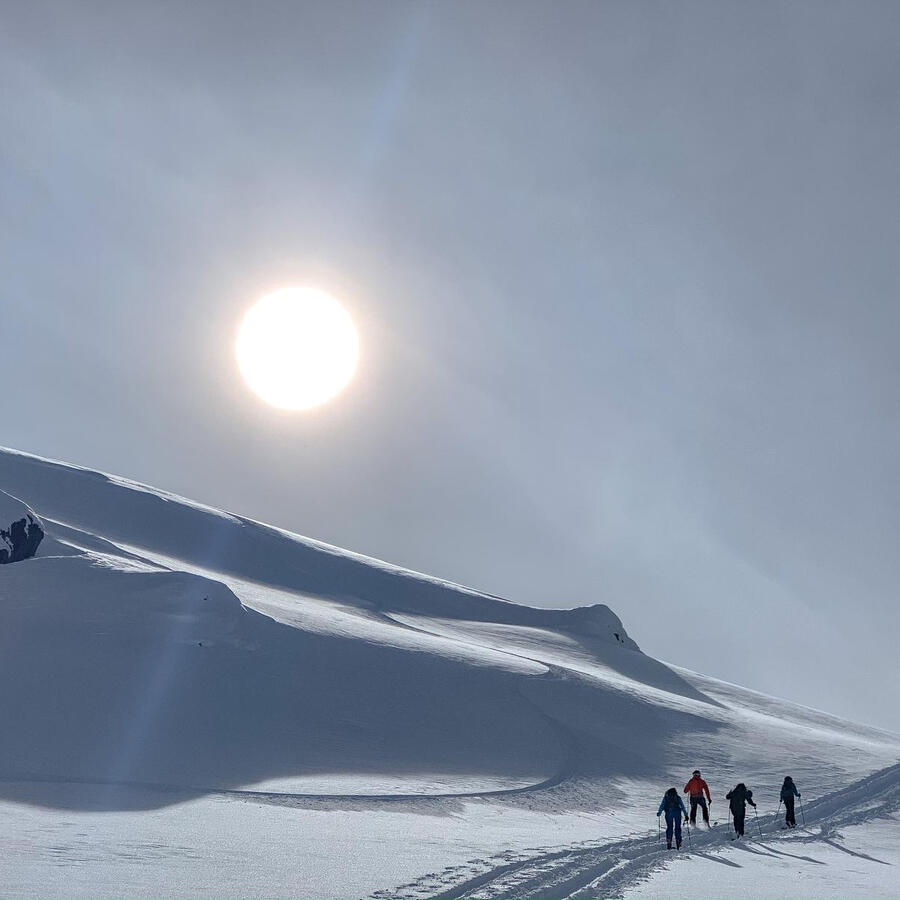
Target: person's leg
678,830
789,818
670,826
705,809
693,810
739,822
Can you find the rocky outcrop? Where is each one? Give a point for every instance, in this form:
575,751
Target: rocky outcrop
21,531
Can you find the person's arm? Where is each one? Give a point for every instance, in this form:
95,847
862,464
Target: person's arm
687,787
750,799
794,786
683,807
708,795
661,807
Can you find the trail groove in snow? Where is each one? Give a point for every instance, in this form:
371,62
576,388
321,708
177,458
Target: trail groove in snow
606,869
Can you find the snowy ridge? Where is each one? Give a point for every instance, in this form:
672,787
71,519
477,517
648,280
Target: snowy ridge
127,512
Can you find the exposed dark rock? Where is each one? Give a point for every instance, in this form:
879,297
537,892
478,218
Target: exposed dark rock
21,531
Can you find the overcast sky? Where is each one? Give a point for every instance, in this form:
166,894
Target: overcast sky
626,278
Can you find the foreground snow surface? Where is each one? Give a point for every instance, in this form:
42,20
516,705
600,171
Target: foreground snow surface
859,822
200,705
860,862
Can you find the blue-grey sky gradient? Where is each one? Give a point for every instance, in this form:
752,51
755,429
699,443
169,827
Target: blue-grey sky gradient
626,276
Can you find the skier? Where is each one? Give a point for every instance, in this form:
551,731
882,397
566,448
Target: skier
738,800
788,792
673,806
696,787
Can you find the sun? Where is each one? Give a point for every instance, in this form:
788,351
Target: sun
297,348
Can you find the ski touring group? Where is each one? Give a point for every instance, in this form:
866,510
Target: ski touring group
698,790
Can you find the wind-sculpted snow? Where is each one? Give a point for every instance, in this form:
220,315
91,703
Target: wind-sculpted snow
119,672
127,512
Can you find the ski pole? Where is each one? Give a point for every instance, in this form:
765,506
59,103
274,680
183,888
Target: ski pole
802,814
756,815
777,812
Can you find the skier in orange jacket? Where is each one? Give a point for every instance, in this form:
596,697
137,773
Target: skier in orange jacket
696,787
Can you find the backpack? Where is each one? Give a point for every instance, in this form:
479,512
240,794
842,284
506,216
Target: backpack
738,799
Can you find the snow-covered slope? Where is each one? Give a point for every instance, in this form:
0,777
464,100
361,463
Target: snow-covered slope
159,655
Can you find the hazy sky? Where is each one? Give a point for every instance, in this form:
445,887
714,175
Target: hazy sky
626,277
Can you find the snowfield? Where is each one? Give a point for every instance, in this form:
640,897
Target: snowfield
200,705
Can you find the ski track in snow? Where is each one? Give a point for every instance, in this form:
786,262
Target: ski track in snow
606,869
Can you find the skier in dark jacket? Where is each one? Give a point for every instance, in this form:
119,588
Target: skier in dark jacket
738,798
673,806
788,792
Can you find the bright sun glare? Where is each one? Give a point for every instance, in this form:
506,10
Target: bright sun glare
297,348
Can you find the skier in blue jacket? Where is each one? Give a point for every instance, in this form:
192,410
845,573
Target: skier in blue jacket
788,792
673,806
